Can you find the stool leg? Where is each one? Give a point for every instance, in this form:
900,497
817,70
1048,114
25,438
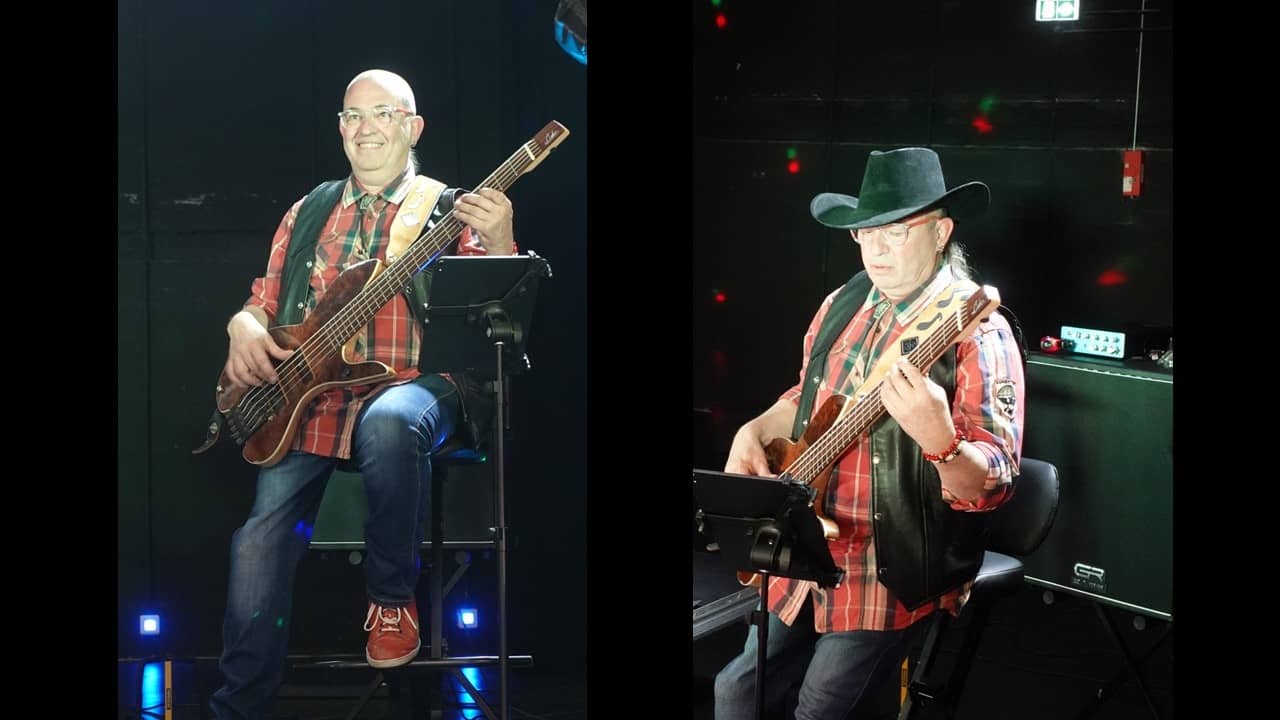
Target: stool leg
979,613
437,561
919,692
365,696
437,583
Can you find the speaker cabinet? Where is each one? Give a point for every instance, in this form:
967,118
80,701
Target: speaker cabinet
468,508
1108,427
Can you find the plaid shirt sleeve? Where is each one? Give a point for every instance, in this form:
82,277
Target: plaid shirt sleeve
989,406
265,291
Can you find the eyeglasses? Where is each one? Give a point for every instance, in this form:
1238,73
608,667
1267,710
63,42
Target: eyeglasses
382,116
893,234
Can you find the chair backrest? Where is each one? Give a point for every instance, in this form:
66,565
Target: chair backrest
1021,524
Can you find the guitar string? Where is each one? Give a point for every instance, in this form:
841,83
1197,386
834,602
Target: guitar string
817,456
296,368
812,459
343,321
259,400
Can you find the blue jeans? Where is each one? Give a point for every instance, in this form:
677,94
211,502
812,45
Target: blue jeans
837,668
396,433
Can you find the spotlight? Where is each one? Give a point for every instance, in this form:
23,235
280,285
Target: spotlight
1057,10
571,28
468,618
149,624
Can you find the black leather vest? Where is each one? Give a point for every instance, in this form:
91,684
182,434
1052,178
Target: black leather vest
477,398
923,547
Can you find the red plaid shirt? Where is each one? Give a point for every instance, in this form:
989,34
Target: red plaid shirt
986,361
392,337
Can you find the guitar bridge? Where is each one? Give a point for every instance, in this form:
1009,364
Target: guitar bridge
235,423
243,427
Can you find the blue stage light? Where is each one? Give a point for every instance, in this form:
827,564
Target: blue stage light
149,624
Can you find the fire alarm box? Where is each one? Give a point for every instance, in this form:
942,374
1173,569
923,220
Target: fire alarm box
1132,183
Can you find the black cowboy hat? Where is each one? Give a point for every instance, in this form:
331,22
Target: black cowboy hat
898,184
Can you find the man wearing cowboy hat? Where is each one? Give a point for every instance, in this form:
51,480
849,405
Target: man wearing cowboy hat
909,496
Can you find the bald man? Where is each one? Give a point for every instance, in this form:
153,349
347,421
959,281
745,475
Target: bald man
386,430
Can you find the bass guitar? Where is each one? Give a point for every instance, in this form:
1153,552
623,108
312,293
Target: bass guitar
264,419
838,423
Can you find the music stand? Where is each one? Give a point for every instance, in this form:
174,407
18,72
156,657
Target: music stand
766,526
478,314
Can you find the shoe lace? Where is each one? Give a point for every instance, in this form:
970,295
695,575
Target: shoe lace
389,618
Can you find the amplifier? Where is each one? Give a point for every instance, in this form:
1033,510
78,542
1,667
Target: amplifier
1108,427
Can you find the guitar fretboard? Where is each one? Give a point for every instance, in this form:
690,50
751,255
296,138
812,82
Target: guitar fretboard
347,322
869,407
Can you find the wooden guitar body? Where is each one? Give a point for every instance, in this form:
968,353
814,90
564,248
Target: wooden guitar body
315,368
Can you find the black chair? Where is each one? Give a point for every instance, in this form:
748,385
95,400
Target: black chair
1016,529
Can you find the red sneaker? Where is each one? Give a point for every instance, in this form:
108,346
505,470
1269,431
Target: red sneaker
393,635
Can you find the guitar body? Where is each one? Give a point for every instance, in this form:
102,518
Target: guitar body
272,440
781,453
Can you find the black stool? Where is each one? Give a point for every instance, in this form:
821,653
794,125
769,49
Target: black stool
342,512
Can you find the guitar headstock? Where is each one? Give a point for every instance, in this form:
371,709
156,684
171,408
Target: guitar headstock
980,305
547,139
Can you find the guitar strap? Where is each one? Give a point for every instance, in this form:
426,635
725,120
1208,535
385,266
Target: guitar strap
316,208
415,209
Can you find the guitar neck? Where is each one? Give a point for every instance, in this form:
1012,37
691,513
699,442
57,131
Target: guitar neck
857,420
431,244
426,248
868,408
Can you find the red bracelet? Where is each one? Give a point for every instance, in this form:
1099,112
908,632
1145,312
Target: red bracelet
950,453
